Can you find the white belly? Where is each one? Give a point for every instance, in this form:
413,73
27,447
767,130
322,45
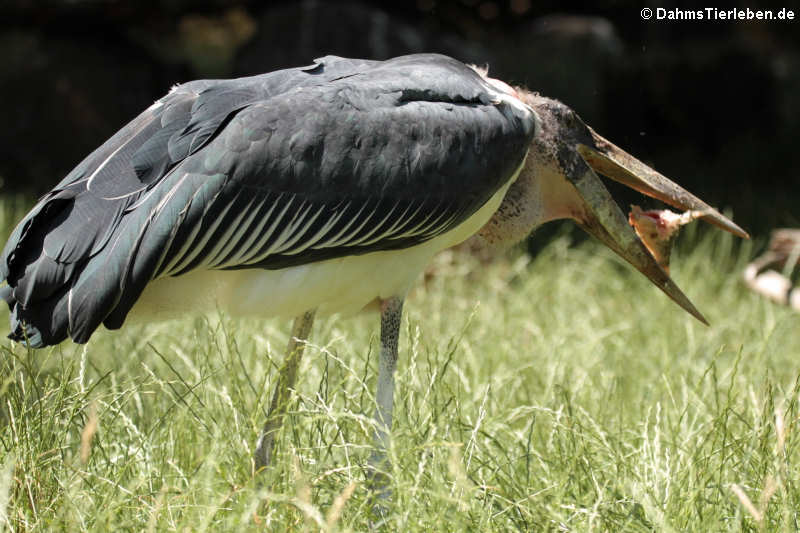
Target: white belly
342,285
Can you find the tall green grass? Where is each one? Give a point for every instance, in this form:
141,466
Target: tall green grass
562,393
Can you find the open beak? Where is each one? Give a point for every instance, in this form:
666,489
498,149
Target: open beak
614,163
602,217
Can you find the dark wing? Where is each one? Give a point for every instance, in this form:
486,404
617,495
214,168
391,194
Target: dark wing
138,156
371,156
50,247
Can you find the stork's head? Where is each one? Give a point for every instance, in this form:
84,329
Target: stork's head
560,180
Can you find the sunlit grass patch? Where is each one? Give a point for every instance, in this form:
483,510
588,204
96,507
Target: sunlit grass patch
562,392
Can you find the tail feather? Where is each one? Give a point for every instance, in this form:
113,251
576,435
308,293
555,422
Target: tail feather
42,325
67,237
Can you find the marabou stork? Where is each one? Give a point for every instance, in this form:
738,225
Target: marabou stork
322,188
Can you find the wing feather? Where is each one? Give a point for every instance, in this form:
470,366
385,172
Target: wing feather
264,240
246,248
208,226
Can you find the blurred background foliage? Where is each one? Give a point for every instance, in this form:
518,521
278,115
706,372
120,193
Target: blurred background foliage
713,105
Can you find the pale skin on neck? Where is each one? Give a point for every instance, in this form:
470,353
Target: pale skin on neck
523,209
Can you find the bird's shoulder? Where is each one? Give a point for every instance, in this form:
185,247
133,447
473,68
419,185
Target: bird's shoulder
391,127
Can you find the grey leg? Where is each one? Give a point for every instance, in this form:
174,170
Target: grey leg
286,380
391,313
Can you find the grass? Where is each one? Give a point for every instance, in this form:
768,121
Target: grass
562,393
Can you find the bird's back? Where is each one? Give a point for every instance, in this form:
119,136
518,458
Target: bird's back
340,158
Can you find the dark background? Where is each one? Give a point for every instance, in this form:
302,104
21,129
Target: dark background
714,105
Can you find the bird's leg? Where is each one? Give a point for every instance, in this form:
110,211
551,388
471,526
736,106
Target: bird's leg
391,312
286,380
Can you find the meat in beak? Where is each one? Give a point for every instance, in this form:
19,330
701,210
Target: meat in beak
602,218
611,161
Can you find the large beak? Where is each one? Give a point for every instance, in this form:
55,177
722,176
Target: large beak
603,218
613,162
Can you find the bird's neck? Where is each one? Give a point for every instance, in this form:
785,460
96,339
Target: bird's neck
532,200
